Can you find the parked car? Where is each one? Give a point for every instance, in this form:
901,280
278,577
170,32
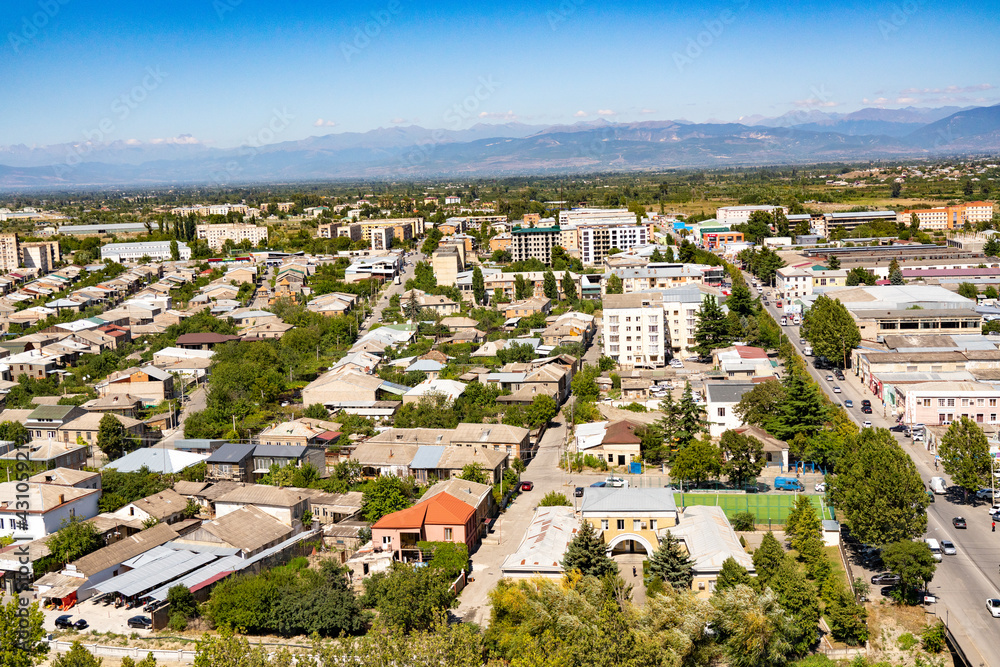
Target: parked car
948,547
616,482
987,494
993,604
959,522
578,492
840,376
885,578
848,403
599,484
527,486
65,622
898,428
141,622
887,591
820,487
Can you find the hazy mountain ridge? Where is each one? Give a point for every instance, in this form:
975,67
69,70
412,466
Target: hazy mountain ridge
512,148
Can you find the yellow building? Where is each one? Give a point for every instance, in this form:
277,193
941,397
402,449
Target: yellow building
949,217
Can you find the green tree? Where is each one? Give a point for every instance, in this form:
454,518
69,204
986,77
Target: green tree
549,286
830,329
833,263
690,422
740,301
768,558
861,276
845,616
408,598
760,405
473,472
74,539
754,628
523,289
744,457
805,528
182,606
112,439
554,499
175,251
76,656
584,384
912,561
316,411
655,258
883,508
542,409
965,455
991,248
14,432
696,462
672,564
568,286
799,600
21,636
587,553
478,286
712,331
384,495
732,574
614,285
968,290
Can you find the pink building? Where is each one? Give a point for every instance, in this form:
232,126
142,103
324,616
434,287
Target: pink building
441,518
944,402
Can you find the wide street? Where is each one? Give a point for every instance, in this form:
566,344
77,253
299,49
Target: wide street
963,582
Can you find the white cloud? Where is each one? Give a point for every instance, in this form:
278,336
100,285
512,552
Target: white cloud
398,121
182,139
647,111
878,101
947,90
581,114
324,123
498,115
906,100
606,112
814,103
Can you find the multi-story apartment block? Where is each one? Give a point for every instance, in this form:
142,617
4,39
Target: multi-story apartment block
327,230
401,228
944,402
658,276
505,282
134,252
634,333
9,255
534,242
735,215
850,220
680,315
351,231
719,239
596,240
581,216
41,255
948,217
217,235
793,282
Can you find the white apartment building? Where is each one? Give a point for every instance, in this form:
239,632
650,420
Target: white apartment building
734,215
596,240
579,216
634,334
217,235
9,256
792,282
948,217
658,276
134,252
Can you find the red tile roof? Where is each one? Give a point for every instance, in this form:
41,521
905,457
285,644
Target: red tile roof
442,509
748,352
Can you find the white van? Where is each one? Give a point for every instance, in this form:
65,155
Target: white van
784,321
939,486
935,548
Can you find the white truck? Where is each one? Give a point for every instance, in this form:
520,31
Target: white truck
807,350
939,486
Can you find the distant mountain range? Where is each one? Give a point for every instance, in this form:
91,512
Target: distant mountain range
514,148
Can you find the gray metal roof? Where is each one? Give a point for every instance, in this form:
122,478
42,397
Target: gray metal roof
202,574
427,457
607,499
280,451
727,392
231,452
154,574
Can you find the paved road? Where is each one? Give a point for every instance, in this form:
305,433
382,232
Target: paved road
196,401
963,582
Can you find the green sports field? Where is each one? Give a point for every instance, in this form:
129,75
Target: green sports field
768,507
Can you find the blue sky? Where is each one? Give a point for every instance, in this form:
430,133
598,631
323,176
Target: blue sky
218,71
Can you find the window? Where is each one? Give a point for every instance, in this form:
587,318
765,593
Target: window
604,524
652,524
927,402
940,402
722,412
621,524
951,402
447,534
993,402
387,541
636,524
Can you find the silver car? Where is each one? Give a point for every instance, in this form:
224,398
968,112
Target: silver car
948,547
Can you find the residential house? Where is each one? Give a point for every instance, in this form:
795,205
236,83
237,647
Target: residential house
249,529
167,506
336,388
232,462
432,462
440,518
449,389
51,454
203,341
266,456
614,442
157,459
541,551
45,420
710,541
331,508
80,479
41,509
512,440
149,383
528,307
85,428
743,362
721,399
119,404
437,304
286,505
305,431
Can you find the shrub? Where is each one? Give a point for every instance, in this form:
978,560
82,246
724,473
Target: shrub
932,639
906,641
554,499
634,407
744,521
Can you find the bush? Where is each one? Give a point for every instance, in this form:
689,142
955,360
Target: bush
932,639
555,499
744,521
634,407
906,641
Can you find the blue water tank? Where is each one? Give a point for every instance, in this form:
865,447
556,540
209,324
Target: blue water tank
635,467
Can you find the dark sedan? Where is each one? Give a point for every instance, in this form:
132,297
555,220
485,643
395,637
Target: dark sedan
866,409
578,492
885,578
141,622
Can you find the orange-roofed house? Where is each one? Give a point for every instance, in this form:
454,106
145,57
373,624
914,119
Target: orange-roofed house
440,518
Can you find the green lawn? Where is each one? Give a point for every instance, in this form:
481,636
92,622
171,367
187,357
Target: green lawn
769,508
